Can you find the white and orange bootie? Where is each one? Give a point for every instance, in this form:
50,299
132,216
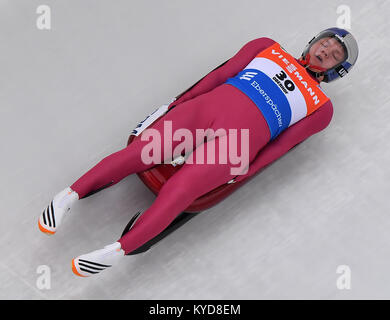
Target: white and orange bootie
96,261
52,216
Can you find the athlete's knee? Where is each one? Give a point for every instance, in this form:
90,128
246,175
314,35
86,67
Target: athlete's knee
189,189
179,189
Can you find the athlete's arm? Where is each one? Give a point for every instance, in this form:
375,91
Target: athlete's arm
298,132
227,70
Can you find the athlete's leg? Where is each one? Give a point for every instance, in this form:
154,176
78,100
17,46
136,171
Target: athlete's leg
185,186
190,115
190,182
234,110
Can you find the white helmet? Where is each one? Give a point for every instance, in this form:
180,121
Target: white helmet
350,47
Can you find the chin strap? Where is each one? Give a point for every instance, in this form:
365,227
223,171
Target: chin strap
314,73
305,62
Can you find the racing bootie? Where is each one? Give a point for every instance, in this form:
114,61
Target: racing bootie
52,216
96,261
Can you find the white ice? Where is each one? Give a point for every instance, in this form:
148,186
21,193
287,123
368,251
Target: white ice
72,95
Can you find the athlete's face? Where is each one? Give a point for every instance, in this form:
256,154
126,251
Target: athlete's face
326,53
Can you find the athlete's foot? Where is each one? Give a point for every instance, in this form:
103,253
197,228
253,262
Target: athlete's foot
96,261
51,218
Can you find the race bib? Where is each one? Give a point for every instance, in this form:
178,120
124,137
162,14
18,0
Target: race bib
280,87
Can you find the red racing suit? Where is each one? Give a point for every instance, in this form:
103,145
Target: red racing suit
300,131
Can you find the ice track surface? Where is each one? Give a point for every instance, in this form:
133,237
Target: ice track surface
71,95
